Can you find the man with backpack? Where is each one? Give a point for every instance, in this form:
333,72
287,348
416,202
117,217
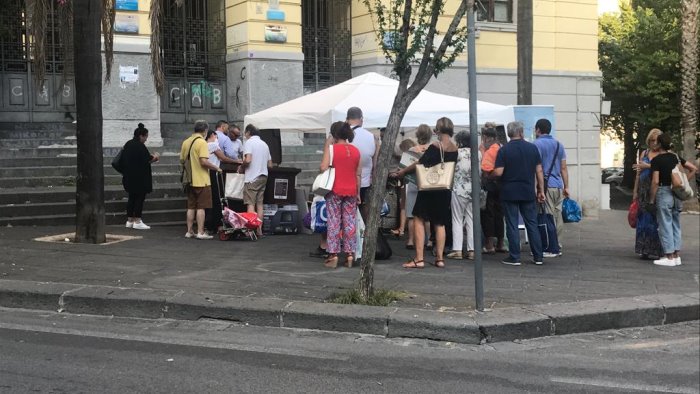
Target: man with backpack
556,175
194,159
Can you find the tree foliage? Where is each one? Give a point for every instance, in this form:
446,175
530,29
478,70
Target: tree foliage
639,56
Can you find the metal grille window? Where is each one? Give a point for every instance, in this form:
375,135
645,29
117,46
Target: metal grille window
500,11
326,43
16,42
194,39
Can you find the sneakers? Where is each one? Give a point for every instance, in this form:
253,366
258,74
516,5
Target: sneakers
204,236
129,224
666,262
141,226
539,262
469,255
455,255
678,260
189,235
550,255
510,261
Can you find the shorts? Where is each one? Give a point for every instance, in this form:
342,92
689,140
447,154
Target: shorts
364,195
199,197
254,192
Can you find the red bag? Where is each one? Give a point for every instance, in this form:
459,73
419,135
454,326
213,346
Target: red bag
632,214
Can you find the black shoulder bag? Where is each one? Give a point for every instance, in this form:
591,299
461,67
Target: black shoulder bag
186,170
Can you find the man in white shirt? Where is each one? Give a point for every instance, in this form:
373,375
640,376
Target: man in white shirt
234,133
256,161
368,145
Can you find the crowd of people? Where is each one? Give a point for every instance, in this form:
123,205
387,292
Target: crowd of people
518,180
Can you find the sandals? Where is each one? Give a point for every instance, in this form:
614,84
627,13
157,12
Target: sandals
410,247
488,251
331,261
414,264
348,261
440,263
397,233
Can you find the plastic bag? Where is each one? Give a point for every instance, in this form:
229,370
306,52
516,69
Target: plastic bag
632,214
570,211
319,215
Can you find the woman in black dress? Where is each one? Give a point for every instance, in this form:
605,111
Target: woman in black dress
136,161
432,205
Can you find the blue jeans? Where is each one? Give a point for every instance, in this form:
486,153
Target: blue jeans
528,210
668,210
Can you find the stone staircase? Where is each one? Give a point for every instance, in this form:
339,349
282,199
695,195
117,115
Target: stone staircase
38,169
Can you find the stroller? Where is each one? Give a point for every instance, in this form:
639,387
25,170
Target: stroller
235,225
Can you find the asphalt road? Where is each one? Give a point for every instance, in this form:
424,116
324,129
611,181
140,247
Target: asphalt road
49,353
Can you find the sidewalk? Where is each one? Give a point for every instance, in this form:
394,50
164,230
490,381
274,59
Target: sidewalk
598,263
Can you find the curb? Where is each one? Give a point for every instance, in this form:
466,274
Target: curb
498,325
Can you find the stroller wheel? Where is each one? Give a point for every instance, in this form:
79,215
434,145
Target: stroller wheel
223,236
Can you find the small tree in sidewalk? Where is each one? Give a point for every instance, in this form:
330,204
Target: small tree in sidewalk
406,31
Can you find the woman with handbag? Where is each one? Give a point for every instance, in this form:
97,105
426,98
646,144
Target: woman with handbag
668,205
646,241
137,180
435,171
342,200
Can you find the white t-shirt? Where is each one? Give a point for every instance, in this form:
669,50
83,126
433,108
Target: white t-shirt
364,142
260,155
213,147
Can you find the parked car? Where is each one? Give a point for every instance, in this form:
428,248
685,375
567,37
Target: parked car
609,171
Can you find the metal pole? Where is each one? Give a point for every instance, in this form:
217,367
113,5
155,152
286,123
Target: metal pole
476,177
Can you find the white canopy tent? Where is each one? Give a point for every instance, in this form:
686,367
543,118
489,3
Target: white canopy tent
374,94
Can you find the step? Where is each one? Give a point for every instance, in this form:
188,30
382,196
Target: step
51,171
150,217
13,126
45,181
71,160
49,151
37,134
112,207
67,193
35,142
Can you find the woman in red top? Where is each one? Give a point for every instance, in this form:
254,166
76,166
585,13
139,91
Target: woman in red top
341,203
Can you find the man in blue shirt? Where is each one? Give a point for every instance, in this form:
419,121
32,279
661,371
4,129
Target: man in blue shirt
518,164
224,141
555,173
234,133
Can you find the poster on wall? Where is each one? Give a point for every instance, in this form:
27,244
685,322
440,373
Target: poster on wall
128,74
275,33
127,5
126,24
530,114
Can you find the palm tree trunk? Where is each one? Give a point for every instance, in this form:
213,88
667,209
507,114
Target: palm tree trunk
90,210
689,85
524,38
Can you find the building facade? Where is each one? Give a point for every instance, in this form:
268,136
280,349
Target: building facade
229,58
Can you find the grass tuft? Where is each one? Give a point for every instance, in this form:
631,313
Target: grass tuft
381,297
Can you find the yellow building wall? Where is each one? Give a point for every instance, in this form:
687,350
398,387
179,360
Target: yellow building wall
246,22
565,36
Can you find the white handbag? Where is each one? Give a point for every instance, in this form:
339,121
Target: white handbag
680,185
323,183
234,185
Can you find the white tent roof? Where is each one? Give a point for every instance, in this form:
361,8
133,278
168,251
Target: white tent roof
374,94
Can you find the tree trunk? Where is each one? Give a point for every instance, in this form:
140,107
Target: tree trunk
689,85
90,211
524,39
378,190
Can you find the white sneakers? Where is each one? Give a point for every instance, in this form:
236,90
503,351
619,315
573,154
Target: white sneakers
137,226
666,262
141,226
198,236
549,255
